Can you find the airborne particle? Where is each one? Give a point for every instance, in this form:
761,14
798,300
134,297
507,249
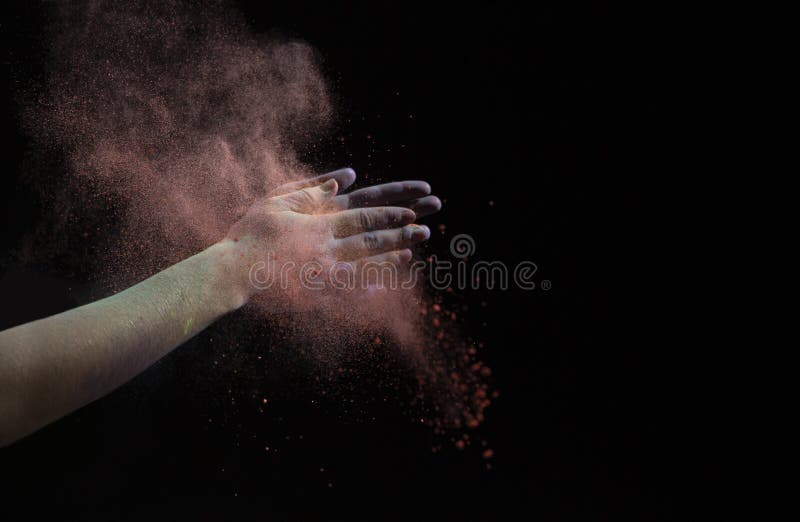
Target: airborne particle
193,120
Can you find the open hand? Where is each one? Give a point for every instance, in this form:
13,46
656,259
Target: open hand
298,232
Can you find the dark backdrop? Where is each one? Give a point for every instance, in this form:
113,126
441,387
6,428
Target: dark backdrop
638,157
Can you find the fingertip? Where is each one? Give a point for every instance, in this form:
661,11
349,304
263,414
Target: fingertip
404,255
426,206
347,177
407,216
417,187
416,232
330,187
427,231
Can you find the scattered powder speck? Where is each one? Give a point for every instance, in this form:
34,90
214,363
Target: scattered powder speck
173,121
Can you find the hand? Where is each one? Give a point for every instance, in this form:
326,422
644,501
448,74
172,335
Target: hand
55,365
409,194
308,226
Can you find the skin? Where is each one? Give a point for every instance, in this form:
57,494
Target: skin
53,366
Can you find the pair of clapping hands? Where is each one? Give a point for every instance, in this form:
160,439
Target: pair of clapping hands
312,221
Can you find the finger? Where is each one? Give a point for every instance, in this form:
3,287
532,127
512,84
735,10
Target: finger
357,220
378,241
423,207
398,258
395,258
373,273
308,199
381,195
383,271
344,177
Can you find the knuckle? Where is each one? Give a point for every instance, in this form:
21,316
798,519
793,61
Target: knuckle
371,240
366,220
305,197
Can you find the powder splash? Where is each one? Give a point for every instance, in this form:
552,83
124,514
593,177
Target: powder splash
174,120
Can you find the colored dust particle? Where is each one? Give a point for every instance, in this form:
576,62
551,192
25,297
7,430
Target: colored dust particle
173,120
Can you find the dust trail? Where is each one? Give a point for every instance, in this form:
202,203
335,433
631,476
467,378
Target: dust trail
177,117
174,118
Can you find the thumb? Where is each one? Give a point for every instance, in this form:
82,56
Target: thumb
310,198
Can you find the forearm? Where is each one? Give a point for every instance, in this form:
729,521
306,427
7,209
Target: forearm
55,365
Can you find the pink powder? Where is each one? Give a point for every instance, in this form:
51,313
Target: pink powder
174,121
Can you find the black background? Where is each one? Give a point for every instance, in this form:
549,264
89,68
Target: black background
638,157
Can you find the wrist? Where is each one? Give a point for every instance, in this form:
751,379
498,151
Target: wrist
230,274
